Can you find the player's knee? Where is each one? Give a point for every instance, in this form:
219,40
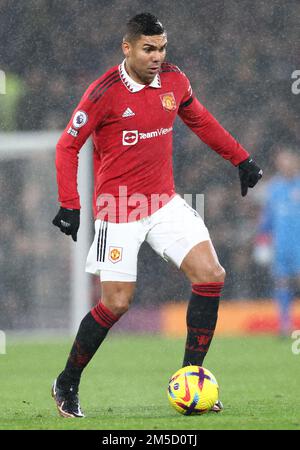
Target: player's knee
218,274
121,307
119,303
211,274
282,283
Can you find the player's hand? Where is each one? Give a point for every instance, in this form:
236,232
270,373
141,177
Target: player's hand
250,174
68,221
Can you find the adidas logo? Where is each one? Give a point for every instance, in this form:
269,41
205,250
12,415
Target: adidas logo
128,113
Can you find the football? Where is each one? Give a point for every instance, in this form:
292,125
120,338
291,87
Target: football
193,390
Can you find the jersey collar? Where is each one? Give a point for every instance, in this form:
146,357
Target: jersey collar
132,85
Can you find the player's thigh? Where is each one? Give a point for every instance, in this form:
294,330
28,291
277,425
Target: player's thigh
201,264
176,231
113,253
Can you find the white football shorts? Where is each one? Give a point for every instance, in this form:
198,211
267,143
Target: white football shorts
172,232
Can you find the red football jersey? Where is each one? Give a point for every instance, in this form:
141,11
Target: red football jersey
131,126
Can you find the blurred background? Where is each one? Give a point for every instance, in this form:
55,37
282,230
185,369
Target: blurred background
239,57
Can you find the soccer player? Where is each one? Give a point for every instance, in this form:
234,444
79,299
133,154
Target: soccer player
280,227
130,112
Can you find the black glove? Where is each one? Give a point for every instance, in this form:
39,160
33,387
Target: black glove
250,174
68,221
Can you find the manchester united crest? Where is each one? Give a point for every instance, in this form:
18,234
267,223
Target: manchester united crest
115,254
168,101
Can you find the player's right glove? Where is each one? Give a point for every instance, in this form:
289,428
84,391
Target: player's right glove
68,221
250,174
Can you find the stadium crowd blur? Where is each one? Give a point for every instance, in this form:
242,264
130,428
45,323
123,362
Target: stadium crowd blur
239,57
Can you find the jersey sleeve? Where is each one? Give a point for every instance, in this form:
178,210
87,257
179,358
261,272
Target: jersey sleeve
208,129
87,116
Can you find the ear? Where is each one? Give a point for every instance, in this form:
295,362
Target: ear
126,48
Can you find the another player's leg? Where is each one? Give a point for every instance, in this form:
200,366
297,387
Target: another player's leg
284,295
115,301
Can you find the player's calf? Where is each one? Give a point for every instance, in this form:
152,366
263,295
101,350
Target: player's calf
201,319
91,333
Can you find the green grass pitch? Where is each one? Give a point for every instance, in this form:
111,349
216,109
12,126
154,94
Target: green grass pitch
124,387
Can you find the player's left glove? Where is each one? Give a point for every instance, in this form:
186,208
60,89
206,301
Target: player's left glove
68,220
250,174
